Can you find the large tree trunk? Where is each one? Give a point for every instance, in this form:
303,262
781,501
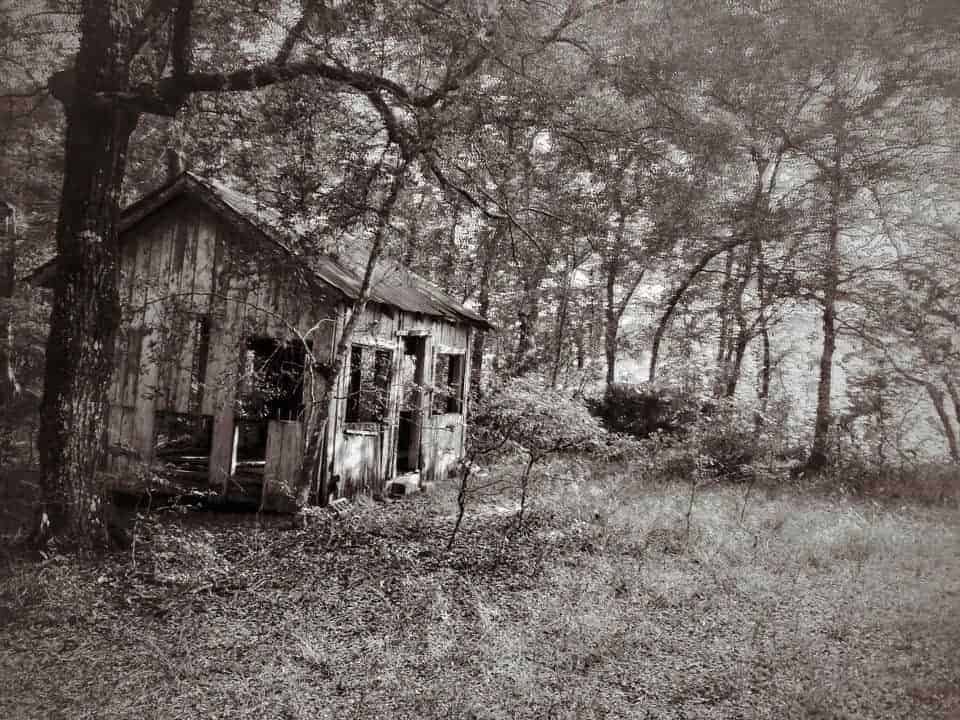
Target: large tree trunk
86,308
526,356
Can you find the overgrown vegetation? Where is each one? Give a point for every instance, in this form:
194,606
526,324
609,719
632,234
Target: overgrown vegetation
783,603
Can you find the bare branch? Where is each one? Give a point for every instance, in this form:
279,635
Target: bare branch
180,46
153,18
296,32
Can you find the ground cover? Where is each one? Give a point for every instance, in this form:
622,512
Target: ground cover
610,602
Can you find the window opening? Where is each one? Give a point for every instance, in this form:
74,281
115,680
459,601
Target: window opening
448,383
271,388
369,384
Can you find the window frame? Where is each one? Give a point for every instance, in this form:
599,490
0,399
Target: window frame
358,416
447,403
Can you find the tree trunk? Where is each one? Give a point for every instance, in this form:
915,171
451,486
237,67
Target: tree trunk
611,326
490,248
86,307
735,367
447,278
528,316
946,424
9,387
561,326
739,342
723,341
766,361
821,427
328,372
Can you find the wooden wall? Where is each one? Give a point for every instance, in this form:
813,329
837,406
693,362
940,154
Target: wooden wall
178,266
365,460
183,264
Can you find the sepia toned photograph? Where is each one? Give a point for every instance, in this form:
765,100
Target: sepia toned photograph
480,359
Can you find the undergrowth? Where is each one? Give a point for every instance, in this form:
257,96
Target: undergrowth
615,598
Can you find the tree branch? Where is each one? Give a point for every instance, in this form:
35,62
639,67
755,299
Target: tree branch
295,34
153,17
180,45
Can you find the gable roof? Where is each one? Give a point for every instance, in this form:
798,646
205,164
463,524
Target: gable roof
395,286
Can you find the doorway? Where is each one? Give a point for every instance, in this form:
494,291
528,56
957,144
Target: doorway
411,377
271,388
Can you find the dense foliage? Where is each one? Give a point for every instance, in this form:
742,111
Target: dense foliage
759,200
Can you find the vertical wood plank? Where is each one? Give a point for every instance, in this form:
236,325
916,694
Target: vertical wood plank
224,363
148,375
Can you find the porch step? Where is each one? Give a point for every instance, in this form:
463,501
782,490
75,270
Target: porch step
339,507
405,484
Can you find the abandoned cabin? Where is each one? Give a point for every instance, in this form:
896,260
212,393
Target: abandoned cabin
212,374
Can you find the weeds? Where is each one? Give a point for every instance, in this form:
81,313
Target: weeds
618,599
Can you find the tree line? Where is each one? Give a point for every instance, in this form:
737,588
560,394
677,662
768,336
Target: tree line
602,180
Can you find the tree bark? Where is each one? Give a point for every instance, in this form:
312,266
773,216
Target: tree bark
561,325
723,340
949,431
9,387
739,342
611,325
819,454
86,307
526,356
763,394
491,245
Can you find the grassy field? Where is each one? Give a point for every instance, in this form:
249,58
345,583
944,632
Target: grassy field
611,602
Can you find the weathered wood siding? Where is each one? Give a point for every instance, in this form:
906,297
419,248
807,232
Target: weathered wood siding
365,460
179,267
359,454
443,439
187,275
284,452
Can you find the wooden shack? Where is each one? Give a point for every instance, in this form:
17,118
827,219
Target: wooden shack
222,320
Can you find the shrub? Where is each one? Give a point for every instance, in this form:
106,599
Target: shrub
643,410
524,415
722,444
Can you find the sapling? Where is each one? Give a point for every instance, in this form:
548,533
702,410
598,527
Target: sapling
538,421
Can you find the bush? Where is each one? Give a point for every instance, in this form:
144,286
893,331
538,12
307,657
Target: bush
643,410
722,444
526,415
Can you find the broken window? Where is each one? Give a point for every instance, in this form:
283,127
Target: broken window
448,383
184,439
369,384
271,388
272,382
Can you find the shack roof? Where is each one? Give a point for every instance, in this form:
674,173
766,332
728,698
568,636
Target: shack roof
394,286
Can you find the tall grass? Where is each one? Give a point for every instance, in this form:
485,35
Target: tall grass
613,601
